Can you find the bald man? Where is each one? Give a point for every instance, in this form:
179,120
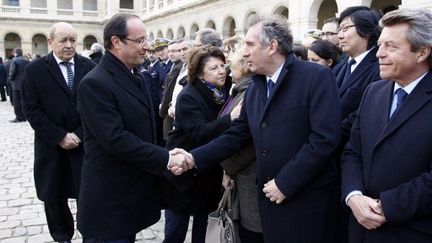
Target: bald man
49,104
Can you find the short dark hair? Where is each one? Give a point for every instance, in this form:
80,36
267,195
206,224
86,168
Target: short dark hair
198,57
325,49
116,26
299,51
365,21
332,20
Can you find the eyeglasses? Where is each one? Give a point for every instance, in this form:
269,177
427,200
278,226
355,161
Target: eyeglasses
345,28
140,41
328,34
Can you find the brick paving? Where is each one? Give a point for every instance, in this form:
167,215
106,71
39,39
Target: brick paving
22,217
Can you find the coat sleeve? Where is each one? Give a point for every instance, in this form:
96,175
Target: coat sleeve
316,153
35,113
351,160
221,148
408,201
102,118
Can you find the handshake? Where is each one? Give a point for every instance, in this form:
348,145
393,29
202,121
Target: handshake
180,161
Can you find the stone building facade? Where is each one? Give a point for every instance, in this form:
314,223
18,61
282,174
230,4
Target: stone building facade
26,23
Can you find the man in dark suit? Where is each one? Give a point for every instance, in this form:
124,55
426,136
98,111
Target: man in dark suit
49,103
358,32
291,113
16,77
121,187
386,165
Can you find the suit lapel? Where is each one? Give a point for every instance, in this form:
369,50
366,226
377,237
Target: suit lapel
54,70
125,80
279,83
362,67
414,102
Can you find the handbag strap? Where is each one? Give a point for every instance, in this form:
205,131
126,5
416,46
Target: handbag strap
226,202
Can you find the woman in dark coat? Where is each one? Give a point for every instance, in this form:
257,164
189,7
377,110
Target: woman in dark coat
196,123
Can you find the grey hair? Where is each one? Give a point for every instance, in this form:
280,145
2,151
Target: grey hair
274,27
209,36
419,33
96,47
187,40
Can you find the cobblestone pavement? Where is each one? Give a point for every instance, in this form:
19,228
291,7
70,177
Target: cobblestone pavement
22,218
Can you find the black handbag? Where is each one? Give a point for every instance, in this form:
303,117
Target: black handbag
220,226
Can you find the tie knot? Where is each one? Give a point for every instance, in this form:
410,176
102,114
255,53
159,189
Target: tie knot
401,95
270,85
351,62
67,64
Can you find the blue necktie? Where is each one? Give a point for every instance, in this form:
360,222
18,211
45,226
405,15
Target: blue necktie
70,75
270,85
348,71
401,95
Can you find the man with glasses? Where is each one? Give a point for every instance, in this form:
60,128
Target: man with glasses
122,175
329,31
49,94
358,33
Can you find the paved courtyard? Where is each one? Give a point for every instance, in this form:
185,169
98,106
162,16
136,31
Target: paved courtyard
22,218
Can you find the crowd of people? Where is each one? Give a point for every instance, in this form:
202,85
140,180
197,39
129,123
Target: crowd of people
325,141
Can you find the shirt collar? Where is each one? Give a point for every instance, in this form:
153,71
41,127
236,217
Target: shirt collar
58,60
410,87
275,76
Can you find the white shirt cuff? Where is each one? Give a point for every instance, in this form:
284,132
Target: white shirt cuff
355,192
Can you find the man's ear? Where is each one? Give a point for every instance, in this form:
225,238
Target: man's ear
115,40
273,46
423,54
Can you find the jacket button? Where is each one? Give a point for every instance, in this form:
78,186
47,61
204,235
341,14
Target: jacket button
264,153
264,125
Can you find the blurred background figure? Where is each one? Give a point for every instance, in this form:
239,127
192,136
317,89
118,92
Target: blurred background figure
208,36
3,78
299,51
231,45
324,53
16,77
311,36
96,52
329,31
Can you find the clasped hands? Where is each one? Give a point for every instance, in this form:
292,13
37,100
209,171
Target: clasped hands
70,141
181,161
368,211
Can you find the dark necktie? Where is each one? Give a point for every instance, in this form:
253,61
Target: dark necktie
401,95
348,71
70,75
270,85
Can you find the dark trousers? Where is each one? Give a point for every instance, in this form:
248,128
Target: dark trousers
3,92
19,115
176,226
9,92
60,220
250,236
130,239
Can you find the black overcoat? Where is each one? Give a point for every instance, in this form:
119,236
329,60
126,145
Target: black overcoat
50,107
120,190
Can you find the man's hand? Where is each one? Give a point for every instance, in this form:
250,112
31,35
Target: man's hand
367,211
272,192
70,141
181,161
